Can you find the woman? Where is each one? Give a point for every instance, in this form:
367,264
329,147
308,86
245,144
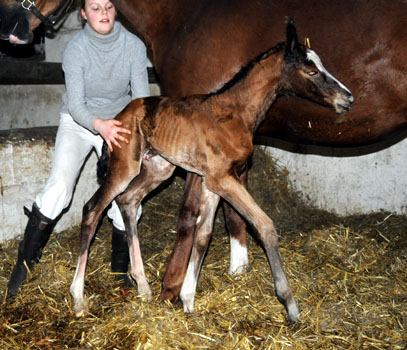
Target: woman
102,64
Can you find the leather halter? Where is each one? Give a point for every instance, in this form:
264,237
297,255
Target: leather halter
29,5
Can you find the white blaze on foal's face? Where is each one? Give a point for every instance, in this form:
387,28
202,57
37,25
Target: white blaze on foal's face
313,57
342,99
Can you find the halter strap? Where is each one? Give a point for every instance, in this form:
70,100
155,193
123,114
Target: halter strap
29,5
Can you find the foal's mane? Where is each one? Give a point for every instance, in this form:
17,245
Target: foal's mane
248,67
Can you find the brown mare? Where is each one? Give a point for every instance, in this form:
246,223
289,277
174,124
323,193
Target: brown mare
198,45
210,135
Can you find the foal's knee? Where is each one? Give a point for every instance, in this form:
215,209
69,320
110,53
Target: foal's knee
89,216
268,235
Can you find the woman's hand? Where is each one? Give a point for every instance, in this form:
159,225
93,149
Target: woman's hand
110,130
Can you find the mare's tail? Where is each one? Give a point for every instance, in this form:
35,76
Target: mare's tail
102,164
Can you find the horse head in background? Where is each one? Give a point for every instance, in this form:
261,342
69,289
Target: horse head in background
19,17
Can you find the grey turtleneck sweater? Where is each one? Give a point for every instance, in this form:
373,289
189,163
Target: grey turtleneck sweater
99,72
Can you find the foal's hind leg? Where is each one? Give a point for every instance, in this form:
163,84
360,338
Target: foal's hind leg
92,212
231,190
153,173
209,203
113,185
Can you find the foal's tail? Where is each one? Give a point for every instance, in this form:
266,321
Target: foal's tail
102,164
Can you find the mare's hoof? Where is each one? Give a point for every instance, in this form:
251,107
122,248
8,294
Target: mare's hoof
188,309
239,270
170,294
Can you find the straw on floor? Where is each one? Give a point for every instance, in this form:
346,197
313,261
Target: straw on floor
349,276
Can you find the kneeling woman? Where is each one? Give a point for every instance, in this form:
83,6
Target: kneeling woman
105,66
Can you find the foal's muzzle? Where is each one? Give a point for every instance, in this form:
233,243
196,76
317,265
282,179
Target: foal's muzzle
343,103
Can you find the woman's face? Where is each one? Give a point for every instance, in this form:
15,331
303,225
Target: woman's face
100,15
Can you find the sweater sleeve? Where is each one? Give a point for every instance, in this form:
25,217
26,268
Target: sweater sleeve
74,71
138,74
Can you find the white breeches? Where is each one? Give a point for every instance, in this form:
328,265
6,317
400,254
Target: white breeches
72,145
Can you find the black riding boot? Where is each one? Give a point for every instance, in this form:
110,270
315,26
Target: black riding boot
120,257
36,236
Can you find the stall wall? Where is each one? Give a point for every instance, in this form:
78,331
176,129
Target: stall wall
348,185
341,184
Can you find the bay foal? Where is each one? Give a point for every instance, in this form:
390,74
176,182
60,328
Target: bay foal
210,135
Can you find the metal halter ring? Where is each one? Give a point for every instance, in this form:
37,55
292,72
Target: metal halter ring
28,8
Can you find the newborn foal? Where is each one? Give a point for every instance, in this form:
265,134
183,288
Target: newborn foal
210,135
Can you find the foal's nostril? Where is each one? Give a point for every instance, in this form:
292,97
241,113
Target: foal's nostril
343,108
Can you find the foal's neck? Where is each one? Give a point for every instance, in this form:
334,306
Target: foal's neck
255,93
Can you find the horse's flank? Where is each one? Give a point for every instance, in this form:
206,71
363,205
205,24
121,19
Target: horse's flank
361,42
198,46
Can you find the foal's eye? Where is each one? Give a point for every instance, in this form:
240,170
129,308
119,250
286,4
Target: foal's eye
312,73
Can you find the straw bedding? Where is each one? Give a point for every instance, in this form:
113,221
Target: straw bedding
349,276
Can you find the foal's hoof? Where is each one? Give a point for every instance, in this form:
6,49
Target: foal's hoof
144,293
293,312
79,309
79,314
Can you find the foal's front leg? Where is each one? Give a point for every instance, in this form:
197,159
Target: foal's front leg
153,172
231,190
209,203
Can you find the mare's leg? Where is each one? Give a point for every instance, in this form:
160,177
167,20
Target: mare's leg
235,193
153,173
115,183
236,226
178,262
204,226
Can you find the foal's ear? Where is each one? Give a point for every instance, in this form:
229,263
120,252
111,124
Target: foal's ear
292,38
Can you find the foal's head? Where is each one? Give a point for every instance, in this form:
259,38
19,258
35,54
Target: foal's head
304,75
